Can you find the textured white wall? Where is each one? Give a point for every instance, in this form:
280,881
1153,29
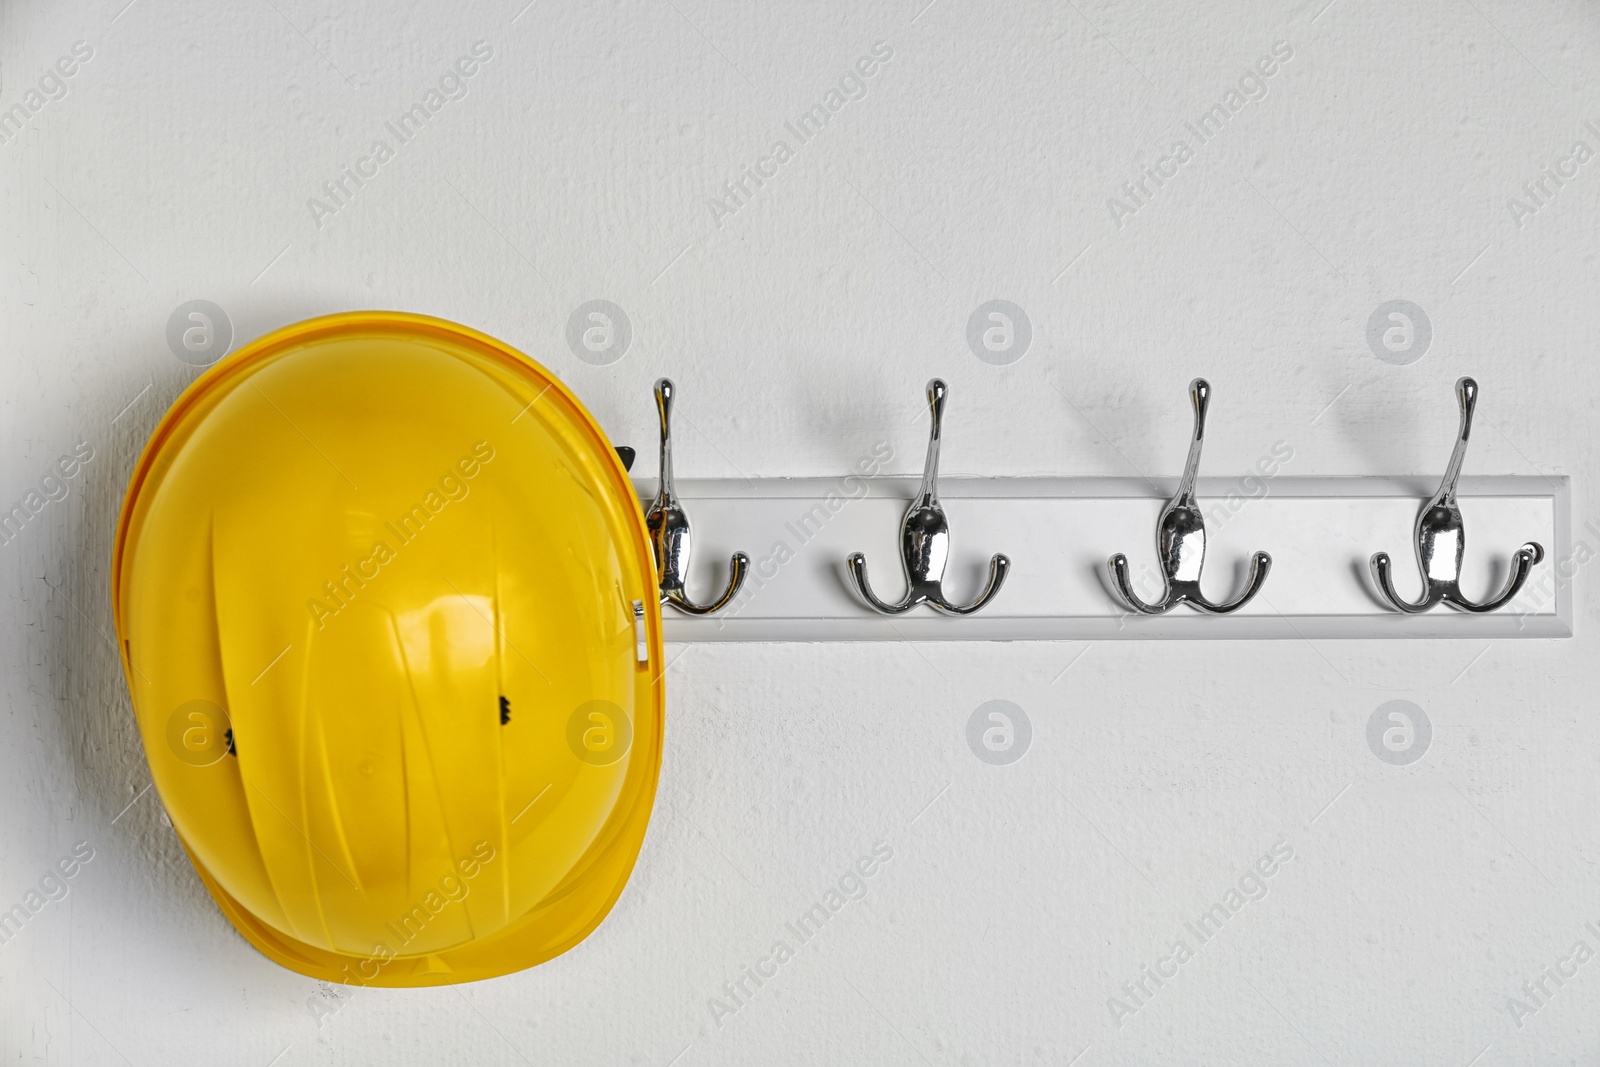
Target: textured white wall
800,327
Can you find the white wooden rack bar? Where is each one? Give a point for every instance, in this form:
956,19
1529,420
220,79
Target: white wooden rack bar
1059,533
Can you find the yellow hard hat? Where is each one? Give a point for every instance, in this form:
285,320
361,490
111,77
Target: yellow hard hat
389,618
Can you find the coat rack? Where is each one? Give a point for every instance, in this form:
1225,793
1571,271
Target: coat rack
801,572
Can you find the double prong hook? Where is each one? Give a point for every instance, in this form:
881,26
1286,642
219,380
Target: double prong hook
1442,537
925,540
1181,538
668,524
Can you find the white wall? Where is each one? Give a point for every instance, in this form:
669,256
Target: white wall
800,329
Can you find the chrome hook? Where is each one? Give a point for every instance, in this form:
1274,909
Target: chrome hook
1442,537
925,540
668,524
1181,538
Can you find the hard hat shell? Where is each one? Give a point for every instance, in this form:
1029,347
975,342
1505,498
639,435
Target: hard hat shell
388,617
